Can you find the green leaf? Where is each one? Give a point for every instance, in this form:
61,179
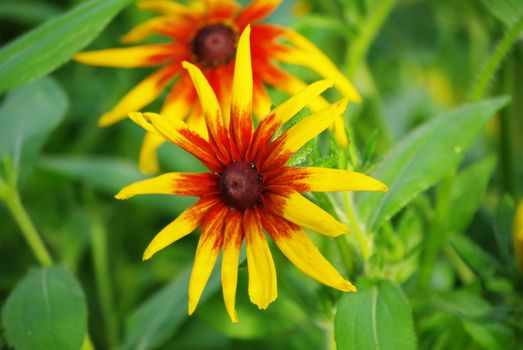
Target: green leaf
107,174
50,45
28,11
159,317
506,11
423,158
468,190
46,310
474,256
110,175
488,335
378,316
28,115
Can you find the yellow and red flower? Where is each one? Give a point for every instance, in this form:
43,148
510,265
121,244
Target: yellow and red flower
249,188
205,33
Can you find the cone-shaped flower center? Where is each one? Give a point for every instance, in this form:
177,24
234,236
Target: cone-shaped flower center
214,44
241,185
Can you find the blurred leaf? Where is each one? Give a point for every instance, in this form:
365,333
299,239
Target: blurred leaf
28,11
505,210
489,336
473,255
107,174
376,317
280,318
506,11
467,192
46,310
369,151
424,157
28,115
110,175
50,45
159,317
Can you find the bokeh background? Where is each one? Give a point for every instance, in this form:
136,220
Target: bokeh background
412,60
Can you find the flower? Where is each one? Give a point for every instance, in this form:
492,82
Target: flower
205,33
249,189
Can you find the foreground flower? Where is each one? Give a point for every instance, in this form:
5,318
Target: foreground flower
205,33
249,189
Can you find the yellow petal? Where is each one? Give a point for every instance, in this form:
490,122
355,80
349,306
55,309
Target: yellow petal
176,131
261,101
339,132
300,250
207,252
307,54
184,224
210,108
241,105
145,29
300,100
242,79
140,96
144,122
298,135
187,184
148,159
299,210
164,6
262,273
233,236
310,179
129,57
256,11
180,99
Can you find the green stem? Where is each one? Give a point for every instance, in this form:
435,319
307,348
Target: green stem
345,253
466,275
27,228
495,60
505,133
358,232
103,280
437,235
357,51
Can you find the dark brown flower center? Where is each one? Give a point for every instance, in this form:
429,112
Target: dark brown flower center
241,185
214,44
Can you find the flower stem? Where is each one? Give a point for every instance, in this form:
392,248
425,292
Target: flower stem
495,60
358,232
103,281
438,234
15,206
357,51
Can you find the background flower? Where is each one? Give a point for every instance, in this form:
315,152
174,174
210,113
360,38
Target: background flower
205,33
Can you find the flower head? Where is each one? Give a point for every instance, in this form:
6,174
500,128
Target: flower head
205,33
249,188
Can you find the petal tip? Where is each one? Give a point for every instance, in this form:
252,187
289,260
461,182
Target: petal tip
346,286
106,119
187,65
191,308
122,195
234,316
148,253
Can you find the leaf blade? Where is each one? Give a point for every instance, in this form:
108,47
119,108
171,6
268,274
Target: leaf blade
28,115
46,310
50,45
378,316
423,158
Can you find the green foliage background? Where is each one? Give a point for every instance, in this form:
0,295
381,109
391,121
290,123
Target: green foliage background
441,123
